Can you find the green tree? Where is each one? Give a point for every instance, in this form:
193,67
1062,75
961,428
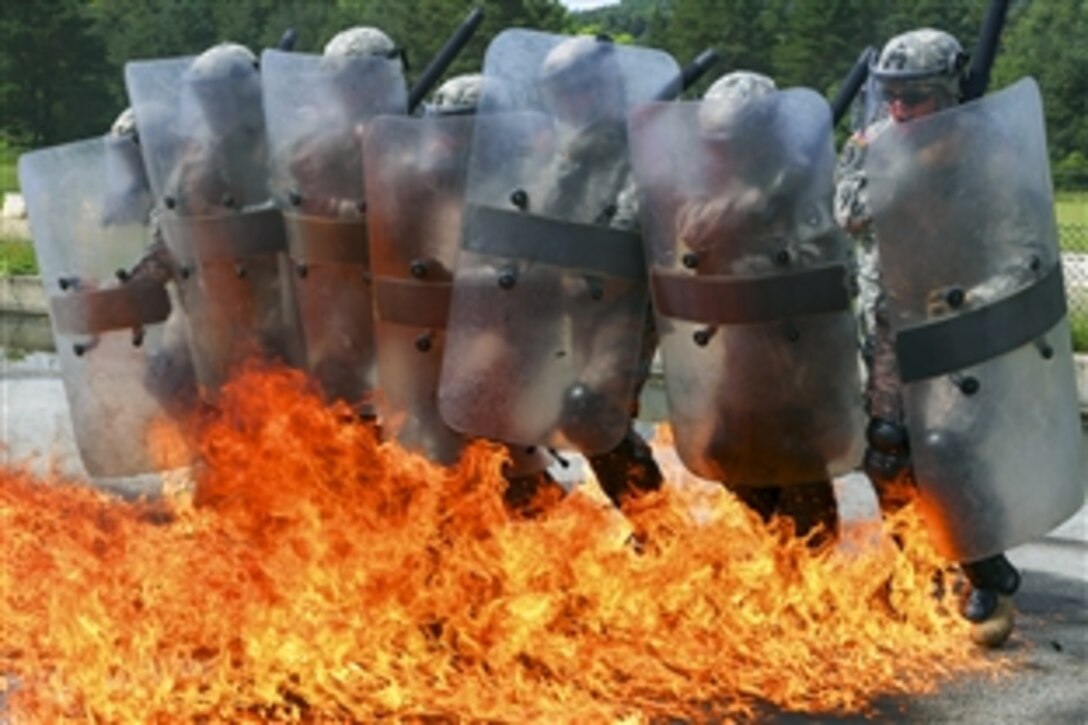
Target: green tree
52,71
1046,40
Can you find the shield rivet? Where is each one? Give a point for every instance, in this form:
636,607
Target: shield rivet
969,385
79,349
185,272
423,342
954,297
122,275
360,206
520,199
702,337
690,260
418,268
782,257
228,200
508,278
239,271
137,336
302,269
294,197
1036,263
169,201
66,282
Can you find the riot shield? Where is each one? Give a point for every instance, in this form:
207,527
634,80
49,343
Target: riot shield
416,170
316,108
963,213
126,380
206,157
751,288
550,300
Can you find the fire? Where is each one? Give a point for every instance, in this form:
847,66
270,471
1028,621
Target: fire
316,573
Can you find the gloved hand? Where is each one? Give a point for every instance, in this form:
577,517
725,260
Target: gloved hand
887,456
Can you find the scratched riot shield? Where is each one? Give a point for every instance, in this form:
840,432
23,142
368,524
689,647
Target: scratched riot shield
416,170
550,297
316,109
962,208
205,152
751,287
128,383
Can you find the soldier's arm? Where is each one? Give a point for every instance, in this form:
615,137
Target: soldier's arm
851,193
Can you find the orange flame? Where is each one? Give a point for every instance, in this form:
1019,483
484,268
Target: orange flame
319,574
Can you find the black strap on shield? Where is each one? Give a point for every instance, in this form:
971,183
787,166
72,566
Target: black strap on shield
725,300
954,343
569,245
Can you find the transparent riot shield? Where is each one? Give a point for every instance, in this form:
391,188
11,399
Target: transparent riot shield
545,342
963,213
751,287
416,170
316,110
128,380
206,157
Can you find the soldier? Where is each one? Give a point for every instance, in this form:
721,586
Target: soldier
557,309
417,172
318,109
593,183
917,74
752,295
123,353
203,139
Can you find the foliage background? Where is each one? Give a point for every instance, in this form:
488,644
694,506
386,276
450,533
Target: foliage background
61,60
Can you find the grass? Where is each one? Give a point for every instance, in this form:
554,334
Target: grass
17,258
1071,207
9,157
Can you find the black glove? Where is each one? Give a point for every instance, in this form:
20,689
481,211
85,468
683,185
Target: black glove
888,455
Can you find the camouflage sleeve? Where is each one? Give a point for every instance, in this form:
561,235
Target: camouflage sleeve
851,194
628,205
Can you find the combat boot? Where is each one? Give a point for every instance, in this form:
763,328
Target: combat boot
989,605
628,470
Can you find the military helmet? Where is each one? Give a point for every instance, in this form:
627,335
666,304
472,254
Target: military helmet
924,56
124,126
221,62
362,40
582,81
226,84
576,58
459,95
720,110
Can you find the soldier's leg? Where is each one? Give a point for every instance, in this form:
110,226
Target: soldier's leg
530,489
810,506
761,499
887,455
988,605
629,469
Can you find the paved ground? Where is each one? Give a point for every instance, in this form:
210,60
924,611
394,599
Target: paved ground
1053,625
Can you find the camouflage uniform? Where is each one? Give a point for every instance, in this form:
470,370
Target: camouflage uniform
927,64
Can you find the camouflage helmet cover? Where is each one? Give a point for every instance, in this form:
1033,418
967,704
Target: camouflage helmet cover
222,61
359,41
926,56
458,95
724,99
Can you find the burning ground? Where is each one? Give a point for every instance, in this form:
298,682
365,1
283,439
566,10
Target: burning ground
318,574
